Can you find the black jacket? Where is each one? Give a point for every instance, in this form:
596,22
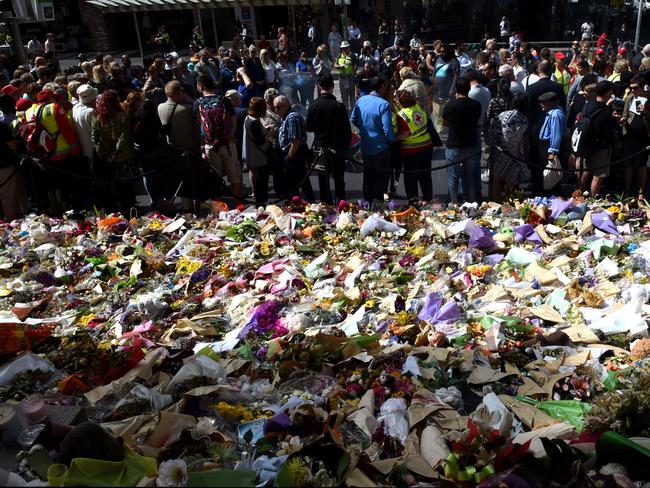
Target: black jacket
328,119
535,112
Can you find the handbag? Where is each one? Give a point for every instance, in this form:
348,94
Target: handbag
551,176
433,133
321,158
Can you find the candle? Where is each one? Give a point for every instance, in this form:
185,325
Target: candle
35,410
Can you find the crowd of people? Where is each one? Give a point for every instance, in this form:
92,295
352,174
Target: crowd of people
248,108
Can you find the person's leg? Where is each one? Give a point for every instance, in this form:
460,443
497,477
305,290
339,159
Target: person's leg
471,177
410,176
383,173
368,175
324,188
12,194
643,178
261,187
451,155
426,185
232,168
302,176
338,173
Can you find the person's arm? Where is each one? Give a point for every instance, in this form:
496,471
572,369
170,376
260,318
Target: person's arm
556,130
429,62
257,133
387,123
248,82
403,131
354,117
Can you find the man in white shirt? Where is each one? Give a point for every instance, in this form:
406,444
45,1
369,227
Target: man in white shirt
34,45
506,71
49,43
504,29
311,35
354,36
82,116
587,29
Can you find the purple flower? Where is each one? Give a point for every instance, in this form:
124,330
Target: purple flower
264,318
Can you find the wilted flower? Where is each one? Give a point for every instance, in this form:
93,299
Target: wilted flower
172,473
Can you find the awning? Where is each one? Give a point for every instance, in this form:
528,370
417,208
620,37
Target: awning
144,5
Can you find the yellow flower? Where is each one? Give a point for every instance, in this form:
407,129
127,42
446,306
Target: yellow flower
370,304
85,319
156,225
187,266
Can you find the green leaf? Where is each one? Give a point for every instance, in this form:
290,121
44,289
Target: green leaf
222,478
344,461
611,383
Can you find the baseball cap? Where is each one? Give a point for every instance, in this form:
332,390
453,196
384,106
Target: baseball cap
367,44
9,89
45,95
622,51
23,104
560,55
600,51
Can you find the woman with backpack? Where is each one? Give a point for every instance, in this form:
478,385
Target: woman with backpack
114,152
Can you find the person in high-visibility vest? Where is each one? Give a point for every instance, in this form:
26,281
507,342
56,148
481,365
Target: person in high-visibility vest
345,65
417,147
562,74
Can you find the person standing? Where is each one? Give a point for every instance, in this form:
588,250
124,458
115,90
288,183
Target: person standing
206,67
305,80
328,119
49,44
504,29
552,130
536,118
416,147
334,40
216,117
322,62
345,65
176,115
446,71
114,151
509,131
256,146
383,36
372,116
462,116
354,36
292,138
636,115
34,45
82,116
311,36
412,83
603,129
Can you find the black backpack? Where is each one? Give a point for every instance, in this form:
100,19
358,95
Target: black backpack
583,138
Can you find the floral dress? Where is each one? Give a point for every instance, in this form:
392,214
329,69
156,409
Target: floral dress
508,130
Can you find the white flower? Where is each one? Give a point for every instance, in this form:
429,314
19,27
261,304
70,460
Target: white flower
172,473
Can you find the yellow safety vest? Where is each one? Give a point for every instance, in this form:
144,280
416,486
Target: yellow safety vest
416,118
564,79
346,65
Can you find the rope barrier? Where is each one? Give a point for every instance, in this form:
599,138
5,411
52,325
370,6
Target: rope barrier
192,165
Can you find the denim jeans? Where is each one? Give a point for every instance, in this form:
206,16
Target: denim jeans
467,173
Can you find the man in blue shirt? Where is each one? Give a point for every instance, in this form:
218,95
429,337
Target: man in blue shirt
372,116
292,140
553,128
